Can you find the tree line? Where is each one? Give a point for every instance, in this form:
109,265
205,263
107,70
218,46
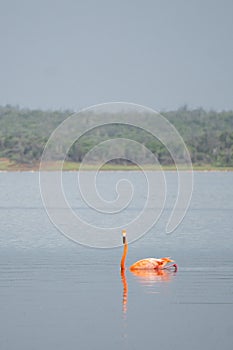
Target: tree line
207,134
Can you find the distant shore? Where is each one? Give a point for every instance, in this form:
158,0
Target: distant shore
6,165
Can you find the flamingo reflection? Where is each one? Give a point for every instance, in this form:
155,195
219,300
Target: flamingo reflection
146,277
125,291
152,275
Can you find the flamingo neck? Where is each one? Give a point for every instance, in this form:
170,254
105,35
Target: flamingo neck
124,255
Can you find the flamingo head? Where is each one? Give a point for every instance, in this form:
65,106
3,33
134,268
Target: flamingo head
124,236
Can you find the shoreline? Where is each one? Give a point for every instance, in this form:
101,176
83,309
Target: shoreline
7,166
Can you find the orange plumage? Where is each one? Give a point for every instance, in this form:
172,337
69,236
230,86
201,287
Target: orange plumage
150,263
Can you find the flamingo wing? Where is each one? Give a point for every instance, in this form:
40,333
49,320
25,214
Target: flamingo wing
146,264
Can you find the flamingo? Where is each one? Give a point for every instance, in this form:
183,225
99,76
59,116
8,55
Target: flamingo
145,264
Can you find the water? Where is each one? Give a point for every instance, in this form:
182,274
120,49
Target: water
55,294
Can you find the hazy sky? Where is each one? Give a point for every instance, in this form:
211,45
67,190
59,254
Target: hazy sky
159,53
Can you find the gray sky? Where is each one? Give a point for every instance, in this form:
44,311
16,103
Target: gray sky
159,53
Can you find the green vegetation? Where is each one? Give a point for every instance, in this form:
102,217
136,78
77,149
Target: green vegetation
24,132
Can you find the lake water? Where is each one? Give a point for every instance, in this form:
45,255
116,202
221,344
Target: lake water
56,294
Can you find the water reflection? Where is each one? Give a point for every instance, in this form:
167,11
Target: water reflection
125,292
146,278
153,276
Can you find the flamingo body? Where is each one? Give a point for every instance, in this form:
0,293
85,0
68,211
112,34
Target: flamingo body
150,264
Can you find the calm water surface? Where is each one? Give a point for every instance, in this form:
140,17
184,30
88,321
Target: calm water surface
55,294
